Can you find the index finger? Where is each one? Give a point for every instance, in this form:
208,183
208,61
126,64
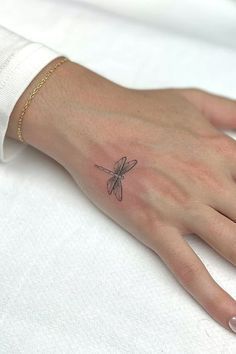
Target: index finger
192,274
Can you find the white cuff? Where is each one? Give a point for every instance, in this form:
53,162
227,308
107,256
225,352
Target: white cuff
20,61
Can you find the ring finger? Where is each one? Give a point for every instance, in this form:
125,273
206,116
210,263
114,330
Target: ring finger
214,228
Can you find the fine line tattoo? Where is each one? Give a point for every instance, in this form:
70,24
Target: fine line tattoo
120,168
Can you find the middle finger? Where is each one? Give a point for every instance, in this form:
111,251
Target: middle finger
214,228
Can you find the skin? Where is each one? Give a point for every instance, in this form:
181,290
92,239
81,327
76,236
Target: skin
184,181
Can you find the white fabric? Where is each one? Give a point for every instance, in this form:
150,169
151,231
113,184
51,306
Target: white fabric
20,62
71,280
209,19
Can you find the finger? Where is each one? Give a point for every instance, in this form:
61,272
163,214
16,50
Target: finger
214,228
225,203
220,111
193,275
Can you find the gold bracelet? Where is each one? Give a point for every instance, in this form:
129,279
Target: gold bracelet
33,93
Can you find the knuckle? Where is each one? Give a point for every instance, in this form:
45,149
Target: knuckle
194,208
148,220
193,213
211,179
201,214
224,145
227,143
189,273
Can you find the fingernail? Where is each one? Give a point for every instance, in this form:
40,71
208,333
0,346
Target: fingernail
232,323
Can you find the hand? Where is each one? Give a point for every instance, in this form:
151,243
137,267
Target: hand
184,178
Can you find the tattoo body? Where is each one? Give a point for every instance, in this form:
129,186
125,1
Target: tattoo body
120,168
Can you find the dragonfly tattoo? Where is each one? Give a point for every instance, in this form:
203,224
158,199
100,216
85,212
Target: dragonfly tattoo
120,168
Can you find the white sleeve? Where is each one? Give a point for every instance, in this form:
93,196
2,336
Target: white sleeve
20,61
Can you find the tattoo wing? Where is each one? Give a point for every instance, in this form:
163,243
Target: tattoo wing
119,164
103,169
111,183
128,166
118,189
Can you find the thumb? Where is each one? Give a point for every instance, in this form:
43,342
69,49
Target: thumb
220,111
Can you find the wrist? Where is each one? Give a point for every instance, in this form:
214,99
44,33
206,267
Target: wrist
61,118
37,128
